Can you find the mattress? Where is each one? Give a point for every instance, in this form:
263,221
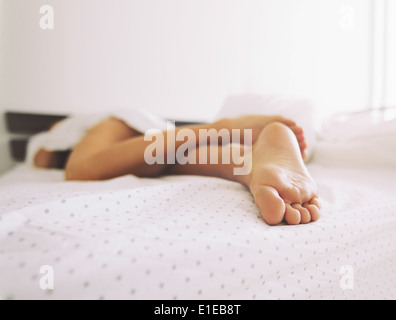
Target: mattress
190,237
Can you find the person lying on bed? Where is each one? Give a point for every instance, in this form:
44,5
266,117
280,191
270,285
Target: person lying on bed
279,181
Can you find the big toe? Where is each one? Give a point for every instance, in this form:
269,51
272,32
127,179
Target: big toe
271,205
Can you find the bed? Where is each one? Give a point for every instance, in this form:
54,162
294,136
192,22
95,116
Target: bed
190,237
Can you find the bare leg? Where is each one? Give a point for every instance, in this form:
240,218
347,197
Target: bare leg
112,149
220,169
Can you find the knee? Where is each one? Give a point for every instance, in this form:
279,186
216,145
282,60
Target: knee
72,174
79,172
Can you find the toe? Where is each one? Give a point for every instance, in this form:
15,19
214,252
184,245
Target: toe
305,215
303,148
315,201
271,205
292,216
313,211
298,132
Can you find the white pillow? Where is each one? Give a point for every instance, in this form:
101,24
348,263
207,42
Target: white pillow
358,141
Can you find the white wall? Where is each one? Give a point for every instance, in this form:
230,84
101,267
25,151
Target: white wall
2,56
181,58
390,99
5,160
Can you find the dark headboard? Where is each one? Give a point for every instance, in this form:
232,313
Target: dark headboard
21,126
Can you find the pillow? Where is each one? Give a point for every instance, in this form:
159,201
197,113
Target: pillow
357,141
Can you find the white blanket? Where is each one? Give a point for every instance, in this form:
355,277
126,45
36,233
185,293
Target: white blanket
67,133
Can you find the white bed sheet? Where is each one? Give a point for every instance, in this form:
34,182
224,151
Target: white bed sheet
193,237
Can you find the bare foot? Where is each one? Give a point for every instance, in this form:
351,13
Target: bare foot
279,181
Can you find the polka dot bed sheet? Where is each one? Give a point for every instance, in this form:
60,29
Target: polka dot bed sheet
191,237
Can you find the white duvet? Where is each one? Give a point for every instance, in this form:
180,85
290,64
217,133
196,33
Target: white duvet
193,237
